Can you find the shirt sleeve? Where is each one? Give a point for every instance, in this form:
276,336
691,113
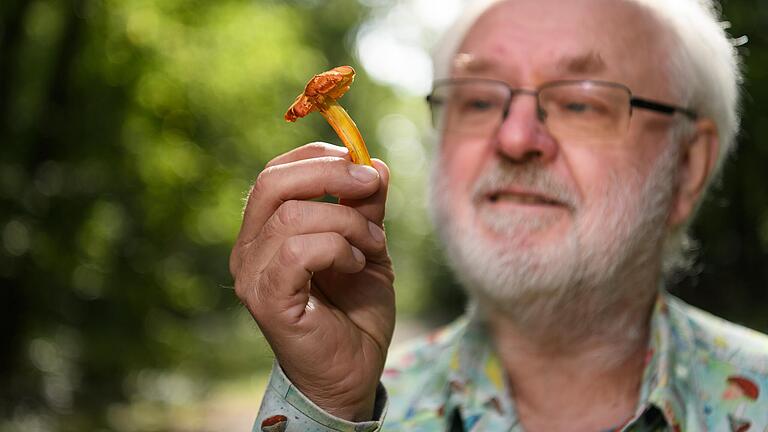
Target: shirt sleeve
285,409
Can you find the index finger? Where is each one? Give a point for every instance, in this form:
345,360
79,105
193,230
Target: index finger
302,180
308,151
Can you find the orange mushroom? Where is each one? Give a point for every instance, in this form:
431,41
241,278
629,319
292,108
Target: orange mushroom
321,95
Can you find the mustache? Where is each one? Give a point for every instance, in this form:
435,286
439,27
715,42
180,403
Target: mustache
503,175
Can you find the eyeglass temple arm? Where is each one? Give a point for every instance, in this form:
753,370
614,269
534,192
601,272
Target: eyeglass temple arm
662,108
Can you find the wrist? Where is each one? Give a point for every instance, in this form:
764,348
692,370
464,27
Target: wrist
355,413
283,400
353,403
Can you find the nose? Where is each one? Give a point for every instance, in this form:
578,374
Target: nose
522,136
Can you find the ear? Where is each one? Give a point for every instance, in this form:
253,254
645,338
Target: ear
695,166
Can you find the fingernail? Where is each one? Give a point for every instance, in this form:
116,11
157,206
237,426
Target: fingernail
376,232
363,173
358,255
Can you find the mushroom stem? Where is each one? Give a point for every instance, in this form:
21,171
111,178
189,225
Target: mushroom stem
347,130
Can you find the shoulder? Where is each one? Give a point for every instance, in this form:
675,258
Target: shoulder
720,340
722,367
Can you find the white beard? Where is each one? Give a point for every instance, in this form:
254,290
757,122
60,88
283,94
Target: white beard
610,254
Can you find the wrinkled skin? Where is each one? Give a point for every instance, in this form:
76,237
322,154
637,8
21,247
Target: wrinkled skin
317,277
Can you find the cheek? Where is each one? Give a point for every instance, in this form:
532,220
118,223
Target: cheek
590,171
461,164
596,171
646,141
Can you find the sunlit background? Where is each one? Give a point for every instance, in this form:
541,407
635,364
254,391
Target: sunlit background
130,131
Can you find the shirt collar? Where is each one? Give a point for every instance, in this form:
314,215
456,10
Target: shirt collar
477,382
667,376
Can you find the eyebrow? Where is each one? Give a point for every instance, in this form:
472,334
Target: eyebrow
590,62
586,63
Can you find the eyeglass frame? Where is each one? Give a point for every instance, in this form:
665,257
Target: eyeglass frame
634,102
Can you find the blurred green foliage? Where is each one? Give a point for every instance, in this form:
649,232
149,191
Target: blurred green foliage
130,131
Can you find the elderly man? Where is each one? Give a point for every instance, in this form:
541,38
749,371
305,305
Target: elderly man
576,140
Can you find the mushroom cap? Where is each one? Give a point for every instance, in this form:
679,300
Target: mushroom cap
747,386
322,88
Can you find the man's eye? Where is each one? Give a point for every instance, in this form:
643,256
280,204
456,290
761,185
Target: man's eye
582,108
578,107
478,105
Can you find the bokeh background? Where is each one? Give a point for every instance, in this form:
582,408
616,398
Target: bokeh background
130,131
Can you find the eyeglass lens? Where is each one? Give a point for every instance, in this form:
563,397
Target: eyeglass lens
582,111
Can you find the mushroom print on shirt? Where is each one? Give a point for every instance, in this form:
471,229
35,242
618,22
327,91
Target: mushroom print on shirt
743,391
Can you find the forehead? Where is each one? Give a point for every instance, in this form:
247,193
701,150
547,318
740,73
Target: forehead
536,40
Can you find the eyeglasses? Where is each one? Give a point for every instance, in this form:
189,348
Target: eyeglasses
583,110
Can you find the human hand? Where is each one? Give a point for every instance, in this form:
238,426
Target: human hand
317,277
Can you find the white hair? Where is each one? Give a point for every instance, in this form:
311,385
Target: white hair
704,68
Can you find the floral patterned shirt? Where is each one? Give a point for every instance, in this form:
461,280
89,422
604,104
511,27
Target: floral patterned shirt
702,373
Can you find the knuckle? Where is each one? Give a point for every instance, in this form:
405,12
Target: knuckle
338,245
317,146
278,160
249,296
291,251
263,181
337,241
336,163
290,213
274,161
329,161
352,220
243,287
335,247
241,291
330,166
234,263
